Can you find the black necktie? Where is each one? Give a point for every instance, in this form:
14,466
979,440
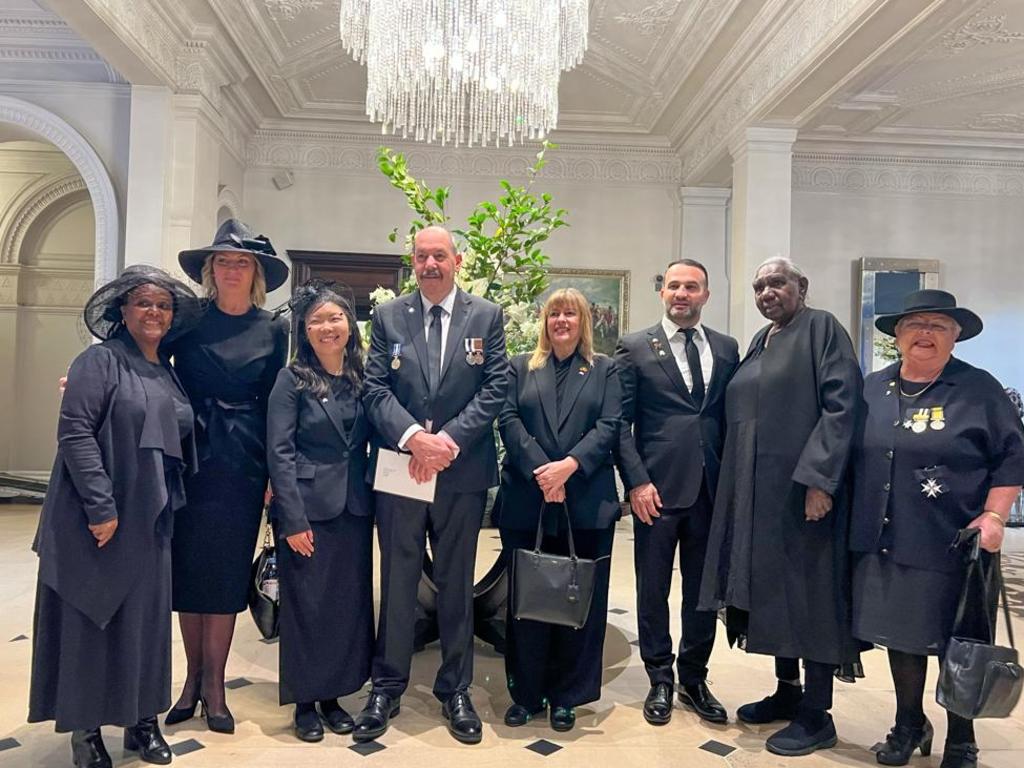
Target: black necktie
696,373
434,348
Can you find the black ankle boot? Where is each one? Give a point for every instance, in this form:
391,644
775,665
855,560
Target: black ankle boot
902,741
963,755
145,738
88,751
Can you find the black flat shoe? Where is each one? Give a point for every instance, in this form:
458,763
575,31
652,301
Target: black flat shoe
372,722
181,714
145,738
778,706
88,750
218,723
699,698
518,715
463,721
563,718
902,741
336,718
806,734
307,724
658,704
959,755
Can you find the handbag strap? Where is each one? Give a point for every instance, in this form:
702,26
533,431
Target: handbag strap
972,539
540,528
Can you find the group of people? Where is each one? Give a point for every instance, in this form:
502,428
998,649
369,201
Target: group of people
811,506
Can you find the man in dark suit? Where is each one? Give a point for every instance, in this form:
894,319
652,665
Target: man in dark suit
673,396
436,377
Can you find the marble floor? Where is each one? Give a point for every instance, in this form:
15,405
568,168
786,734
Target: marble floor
610,732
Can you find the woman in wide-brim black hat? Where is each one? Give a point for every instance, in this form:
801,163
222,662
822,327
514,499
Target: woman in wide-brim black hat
228,365
942,449
101,651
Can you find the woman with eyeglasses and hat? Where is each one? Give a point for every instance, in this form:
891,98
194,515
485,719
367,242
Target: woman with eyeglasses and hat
317,432
101,643
941,449
228,365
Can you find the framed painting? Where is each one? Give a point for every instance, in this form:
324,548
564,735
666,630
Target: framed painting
607,290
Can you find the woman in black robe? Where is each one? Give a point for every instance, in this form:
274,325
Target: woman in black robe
777,549
317,434
101,640
228,365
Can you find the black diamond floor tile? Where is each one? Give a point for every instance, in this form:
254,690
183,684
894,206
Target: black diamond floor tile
635,642
543,747
717,748
6,744
186,746
238,682
19,637
618,611
367,748
271,641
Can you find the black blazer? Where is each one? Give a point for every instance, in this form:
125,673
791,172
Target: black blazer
468,399
317,469
665,439
533,435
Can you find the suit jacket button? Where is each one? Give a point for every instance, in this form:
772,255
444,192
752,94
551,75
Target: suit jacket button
888,454
885,521
344,455
885,551
886,487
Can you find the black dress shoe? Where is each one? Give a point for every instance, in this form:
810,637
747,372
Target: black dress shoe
658,704
518,715
781,705
307,723
145,738
699,698
463,721
372,722
809,731
902,741
336,718
88,751
963,755
181,714
563,718
219,723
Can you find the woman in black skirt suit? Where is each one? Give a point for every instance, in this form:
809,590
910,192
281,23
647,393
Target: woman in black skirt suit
559,424
101,642
323,509
228,365
942,449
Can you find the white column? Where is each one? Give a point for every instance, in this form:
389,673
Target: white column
762,191
149,164
705,237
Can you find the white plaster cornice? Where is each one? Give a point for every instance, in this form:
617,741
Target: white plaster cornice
30,210
705,197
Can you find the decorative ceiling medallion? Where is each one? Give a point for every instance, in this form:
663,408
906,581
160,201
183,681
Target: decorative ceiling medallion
652,18
1004,122
288,10
980,31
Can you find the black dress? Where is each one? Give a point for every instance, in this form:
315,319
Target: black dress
89,670
228,365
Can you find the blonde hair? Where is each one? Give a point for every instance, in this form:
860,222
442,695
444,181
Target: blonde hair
573,299
258,292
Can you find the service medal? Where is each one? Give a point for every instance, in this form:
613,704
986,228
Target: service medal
474,351
919,427
396,353
396,363
938,417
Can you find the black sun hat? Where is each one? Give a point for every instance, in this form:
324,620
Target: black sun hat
937,302
102,315
236,236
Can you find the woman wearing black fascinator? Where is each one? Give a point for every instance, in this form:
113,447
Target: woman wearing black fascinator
317,434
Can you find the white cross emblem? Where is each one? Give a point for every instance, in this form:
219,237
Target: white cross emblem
931,488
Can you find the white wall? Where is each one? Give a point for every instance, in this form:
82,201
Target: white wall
977,238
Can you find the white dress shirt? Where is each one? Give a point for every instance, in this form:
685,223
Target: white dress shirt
677,343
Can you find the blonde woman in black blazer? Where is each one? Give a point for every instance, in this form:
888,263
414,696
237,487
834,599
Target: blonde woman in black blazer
317,434
559,425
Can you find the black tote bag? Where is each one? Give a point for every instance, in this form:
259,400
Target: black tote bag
554,589
264,599
979,679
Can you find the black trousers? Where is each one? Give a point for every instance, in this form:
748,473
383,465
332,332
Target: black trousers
546,661
654,551
818,680
453,523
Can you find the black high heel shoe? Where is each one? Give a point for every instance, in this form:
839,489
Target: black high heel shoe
88,751
177,715
964,755
902,741
145,738
218,723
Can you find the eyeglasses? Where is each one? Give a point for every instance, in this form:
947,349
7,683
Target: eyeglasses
924,325
224,262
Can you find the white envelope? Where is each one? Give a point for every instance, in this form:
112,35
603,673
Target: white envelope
392,476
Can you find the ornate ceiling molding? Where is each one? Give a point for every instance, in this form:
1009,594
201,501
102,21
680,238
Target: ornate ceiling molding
356,154
902,174
90,167
650,19
61,192
980,30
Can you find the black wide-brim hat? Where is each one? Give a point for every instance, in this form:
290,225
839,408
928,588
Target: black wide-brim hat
236,236
937,302
102,313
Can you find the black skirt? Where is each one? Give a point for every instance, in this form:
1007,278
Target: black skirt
327,611
84,677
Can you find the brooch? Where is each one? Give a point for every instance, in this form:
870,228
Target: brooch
583,370
657,347
932,488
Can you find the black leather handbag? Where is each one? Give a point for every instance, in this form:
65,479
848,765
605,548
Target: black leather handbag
554,589
978,678
264,600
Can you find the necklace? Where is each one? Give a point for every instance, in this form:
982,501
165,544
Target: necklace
917,394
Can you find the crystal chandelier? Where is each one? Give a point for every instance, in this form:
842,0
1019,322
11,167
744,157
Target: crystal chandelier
465,71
